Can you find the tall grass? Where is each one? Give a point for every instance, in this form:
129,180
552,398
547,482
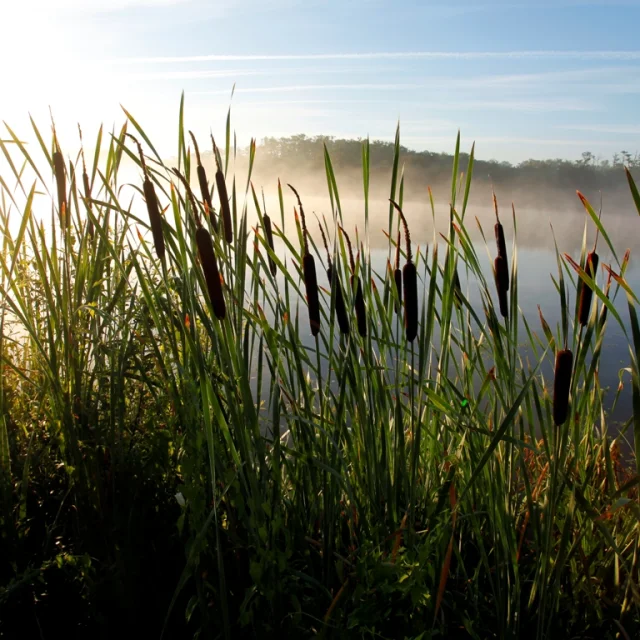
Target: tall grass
183,472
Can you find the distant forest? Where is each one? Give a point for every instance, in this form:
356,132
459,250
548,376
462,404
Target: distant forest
532,182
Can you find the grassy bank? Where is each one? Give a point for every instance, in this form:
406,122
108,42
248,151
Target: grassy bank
204,436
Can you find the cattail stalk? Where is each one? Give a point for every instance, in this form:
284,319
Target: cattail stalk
87,187
397,276
225,209
309,274
562,386
153,208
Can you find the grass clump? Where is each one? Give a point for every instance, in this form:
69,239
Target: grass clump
182,455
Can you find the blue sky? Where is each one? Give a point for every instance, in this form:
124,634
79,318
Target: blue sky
522,78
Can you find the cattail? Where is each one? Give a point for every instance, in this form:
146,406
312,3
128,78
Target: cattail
397,276
586,292
204,186
61,184
224,198
561,386
361,312
410,281
211,273
410,284
341,309
502,282
269,235
153,208
311,286
360,309
309,274
500,243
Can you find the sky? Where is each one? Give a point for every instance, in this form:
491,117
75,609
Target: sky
522,78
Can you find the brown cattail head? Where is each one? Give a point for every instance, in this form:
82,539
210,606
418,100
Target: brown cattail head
500,243
361,313
334,283
309,273
502,284
562,386
225,209
410,281
268,232
153,208
341,309
586,292
211,273
311,287
61,184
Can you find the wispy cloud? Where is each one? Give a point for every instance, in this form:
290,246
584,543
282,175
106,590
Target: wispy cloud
204,74
394,55
461,104
627,129
296,88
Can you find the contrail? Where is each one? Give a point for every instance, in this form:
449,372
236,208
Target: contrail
391,55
